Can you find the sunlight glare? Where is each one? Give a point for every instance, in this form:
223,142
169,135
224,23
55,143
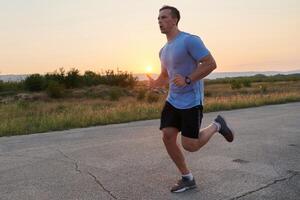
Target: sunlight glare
149,69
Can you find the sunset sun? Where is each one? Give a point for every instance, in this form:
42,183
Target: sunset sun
149,69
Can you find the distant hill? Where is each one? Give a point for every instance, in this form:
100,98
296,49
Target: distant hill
216,75
13,77
141,77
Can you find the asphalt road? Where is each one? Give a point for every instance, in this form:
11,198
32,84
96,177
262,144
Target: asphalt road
128,161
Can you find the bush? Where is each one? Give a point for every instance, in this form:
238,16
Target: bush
55,89
56,76
263,89
246,82
21,104
235,84
1,85
114,94
122,79
34,82
91,78
141,95
73,79
152,97
10,88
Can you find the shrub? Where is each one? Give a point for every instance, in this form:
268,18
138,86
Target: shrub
55,89
235,84
246,82
10,88
56,76
107,93
1,86
263,89
114,95
34,82
61,108
141,95
73,79
152,97
91,78
21,104
122,79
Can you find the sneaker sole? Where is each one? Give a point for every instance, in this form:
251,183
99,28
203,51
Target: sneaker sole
231,129
184,189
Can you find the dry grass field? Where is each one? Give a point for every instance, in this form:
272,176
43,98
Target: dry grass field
99,105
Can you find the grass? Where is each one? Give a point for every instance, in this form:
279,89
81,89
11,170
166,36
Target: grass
246,101
26,117
32,117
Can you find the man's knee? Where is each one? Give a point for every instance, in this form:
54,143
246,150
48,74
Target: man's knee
169,135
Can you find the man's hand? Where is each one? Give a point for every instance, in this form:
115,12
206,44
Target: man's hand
151,81
179,80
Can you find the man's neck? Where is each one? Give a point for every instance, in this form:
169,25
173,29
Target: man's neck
172,34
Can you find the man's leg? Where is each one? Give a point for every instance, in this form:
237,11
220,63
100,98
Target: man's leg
219,125
191,144
170,141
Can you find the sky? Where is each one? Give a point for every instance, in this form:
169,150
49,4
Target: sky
40,36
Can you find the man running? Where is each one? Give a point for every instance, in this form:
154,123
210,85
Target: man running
185,61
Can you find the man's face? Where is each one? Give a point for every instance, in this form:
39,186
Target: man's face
166,21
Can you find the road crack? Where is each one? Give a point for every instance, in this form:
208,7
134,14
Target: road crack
74,161
101,185
89,173
290,176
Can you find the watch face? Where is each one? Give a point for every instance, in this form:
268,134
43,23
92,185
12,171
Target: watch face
187,80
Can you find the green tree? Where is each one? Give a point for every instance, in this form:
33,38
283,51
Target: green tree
34,82
73,79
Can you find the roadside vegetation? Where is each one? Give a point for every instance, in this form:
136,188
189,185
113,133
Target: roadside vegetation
63,100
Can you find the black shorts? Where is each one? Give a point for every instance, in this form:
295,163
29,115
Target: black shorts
188,121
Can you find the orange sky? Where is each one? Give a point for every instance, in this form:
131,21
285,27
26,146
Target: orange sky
41,36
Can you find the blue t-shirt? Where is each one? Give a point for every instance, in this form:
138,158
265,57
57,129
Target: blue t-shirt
181,56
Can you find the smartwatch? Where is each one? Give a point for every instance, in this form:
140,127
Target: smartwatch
187,80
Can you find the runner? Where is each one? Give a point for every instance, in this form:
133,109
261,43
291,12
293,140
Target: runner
185,61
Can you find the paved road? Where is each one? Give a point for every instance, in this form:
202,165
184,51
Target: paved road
128,161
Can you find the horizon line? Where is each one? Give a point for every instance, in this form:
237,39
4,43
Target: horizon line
261,71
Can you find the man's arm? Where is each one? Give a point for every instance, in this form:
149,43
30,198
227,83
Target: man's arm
205,66
162,79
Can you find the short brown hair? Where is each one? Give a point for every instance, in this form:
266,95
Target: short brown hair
174,12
